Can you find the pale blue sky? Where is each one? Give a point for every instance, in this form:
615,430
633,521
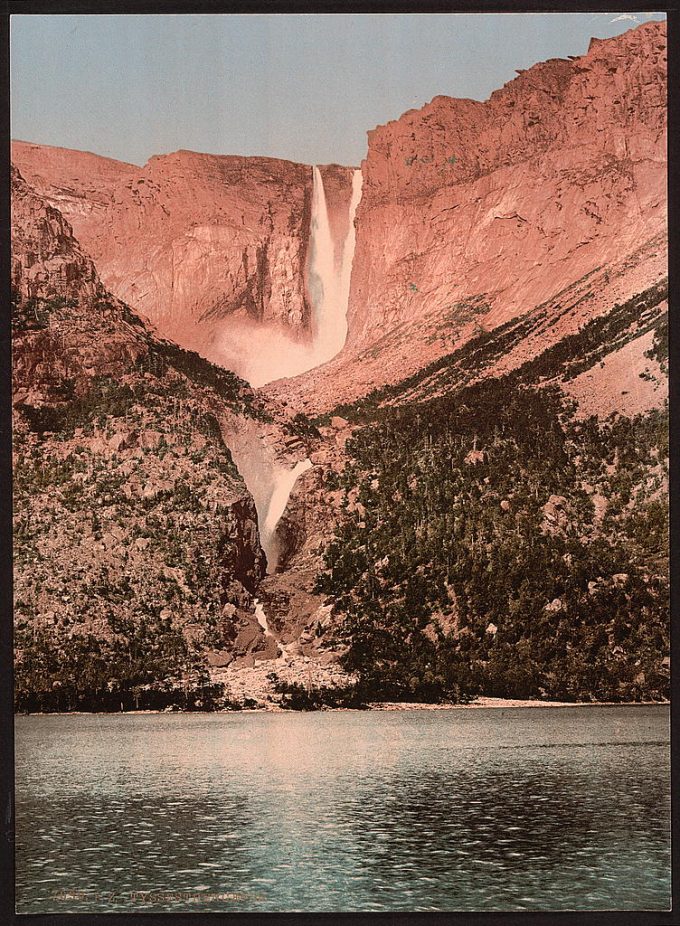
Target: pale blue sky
304,87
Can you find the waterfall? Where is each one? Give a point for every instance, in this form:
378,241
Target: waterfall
269,481
265,351
322,279
328,283
261,617
283,649
283,482
348,253
329,271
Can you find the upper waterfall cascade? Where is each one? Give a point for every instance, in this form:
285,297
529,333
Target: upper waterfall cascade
265,351
328,278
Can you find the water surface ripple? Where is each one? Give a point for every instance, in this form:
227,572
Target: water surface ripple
512,809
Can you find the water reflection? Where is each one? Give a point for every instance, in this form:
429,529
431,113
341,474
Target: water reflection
535,836
459,810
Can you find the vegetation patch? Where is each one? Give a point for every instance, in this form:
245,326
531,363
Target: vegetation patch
498,546
566,359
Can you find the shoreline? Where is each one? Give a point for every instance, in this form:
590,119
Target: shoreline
482,703
505,703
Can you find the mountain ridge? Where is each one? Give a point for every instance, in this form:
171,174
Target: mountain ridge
465,247
539,397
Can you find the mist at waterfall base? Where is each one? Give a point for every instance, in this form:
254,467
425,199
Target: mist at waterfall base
262,352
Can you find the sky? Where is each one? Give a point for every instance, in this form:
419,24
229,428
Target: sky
303,87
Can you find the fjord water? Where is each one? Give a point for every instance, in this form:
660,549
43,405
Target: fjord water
477,809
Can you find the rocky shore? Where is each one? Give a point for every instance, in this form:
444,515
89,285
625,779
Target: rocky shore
274,707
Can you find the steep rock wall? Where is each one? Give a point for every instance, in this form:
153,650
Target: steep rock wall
560,171
475,213
191,239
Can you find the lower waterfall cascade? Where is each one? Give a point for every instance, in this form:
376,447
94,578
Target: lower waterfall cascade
284,480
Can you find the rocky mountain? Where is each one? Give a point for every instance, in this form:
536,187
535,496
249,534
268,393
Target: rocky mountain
472,214
547,199
137,552
470,498
202,245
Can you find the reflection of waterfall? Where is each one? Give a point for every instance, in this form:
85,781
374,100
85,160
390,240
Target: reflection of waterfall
327,282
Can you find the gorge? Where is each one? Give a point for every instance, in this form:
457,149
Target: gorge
404,424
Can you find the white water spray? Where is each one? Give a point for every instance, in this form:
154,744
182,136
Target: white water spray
283,649
284,480
329,280
261,617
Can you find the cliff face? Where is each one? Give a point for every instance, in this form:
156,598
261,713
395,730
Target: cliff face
474,213
46,260
52,277
560,171
137,553
191,240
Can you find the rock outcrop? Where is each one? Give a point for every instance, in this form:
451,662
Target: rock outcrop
47,262
136,540
475,213
197,243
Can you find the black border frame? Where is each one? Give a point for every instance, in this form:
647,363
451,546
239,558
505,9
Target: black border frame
608,918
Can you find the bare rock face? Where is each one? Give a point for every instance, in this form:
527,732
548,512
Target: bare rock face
51,276
192,239
46,260
560,171
475,213
128,506
188,236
